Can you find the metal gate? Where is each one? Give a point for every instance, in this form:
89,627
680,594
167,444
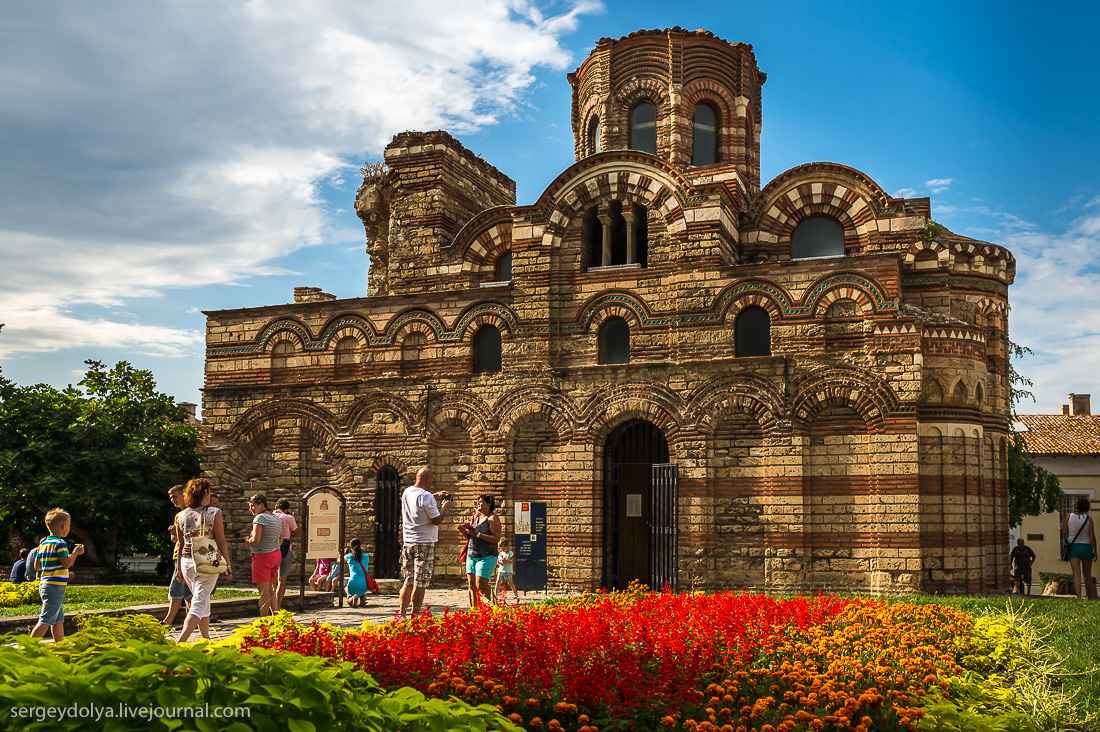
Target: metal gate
664,527
387,524
640,518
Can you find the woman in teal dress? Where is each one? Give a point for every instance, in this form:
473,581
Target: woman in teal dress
357,562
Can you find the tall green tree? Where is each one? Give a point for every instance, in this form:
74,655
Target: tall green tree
106,453
1032,490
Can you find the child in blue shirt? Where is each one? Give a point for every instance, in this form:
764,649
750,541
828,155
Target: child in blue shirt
52,562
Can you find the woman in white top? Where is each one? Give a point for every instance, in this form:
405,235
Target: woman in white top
199,519
1083,552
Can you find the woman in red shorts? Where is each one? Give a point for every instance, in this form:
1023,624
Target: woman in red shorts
267,529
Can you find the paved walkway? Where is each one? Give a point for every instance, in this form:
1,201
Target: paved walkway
380,609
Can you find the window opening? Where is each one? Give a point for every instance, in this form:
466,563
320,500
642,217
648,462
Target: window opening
818,236
643,128
704,135
346,361
614,341
487,350
753,330
594,133
280,360
504,268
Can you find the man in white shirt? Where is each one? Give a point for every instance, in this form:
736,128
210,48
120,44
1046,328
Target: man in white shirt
421,514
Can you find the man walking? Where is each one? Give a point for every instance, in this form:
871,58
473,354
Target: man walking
1023,558
421,516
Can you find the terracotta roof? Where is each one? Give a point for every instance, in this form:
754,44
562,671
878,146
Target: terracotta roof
1061,434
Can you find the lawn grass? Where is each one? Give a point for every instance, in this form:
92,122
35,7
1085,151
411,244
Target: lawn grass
1073,628
80,598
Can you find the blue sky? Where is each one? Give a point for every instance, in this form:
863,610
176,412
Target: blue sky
158,158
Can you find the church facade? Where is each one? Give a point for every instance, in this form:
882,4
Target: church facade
710,382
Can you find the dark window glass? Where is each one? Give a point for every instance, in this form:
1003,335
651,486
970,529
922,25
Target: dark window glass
594,135
754,332
818,236
504,268
643,128
615,341
704,136
487,350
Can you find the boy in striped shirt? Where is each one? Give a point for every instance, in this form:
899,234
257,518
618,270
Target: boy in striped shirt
53,561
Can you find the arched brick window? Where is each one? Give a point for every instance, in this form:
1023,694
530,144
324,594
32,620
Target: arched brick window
818,236
643,128
281,353
614,340
704,135
753,332
347,358
487,349
619,235
595,144
503,269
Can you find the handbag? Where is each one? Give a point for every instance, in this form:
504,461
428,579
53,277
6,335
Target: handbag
204,551
372,585
1068,543
284,547
466,547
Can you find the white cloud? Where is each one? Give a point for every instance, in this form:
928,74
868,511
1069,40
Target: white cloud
939,185
169,145
904,193
1054,300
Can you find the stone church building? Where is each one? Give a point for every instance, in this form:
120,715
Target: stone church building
712,383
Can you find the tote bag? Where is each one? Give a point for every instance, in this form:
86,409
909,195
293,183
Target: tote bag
204,551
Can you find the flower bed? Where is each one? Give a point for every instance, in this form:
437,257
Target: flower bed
729,662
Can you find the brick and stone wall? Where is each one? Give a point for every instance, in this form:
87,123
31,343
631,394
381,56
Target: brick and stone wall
867,452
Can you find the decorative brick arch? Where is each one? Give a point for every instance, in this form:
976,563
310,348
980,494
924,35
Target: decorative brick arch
386,461
461,407
284,329
730,114
920,246
484,238
381,401
518,405
829,189
496,314
619,177
594,106
344,326
868,294
613,405
631,93
611,304
744,393
752,292
416,319
843,386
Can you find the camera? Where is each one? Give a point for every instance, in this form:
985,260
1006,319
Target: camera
445,497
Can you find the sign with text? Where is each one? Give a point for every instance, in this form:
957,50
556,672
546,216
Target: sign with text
530,530
324,518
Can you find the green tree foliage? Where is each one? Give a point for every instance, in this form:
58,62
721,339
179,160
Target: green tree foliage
1032,490
106,453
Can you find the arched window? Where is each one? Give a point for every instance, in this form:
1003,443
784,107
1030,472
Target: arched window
818,236
704,135
486,350
411,350
618,236
643,128
281,354
595,145
754,332
347,363
614,341
504,268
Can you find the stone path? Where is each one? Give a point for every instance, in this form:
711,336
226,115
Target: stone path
379,609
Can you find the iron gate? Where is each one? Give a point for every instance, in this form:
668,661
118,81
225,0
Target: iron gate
387,524
664,527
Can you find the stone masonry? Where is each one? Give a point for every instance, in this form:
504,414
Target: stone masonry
865,452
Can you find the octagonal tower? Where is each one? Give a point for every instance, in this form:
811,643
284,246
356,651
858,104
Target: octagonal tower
688,97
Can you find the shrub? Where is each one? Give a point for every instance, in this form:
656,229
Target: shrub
116,664
14,594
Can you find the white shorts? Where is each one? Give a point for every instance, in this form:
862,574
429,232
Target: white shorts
201,585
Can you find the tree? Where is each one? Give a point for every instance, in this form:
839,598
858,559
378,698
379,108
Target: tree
107,455
1032,490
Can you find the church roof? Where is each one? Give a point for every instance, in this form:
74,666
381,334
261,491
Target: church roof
1061,434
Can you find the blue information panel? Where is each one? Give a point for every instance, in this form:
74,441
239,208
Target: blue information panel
530,523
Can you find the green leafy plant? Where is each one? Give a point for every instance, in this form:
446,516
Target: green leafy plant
14,594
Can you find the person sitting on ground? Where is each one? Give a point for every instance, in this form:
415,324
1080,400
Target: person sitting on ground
319,580
30,573
357,563
19,569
